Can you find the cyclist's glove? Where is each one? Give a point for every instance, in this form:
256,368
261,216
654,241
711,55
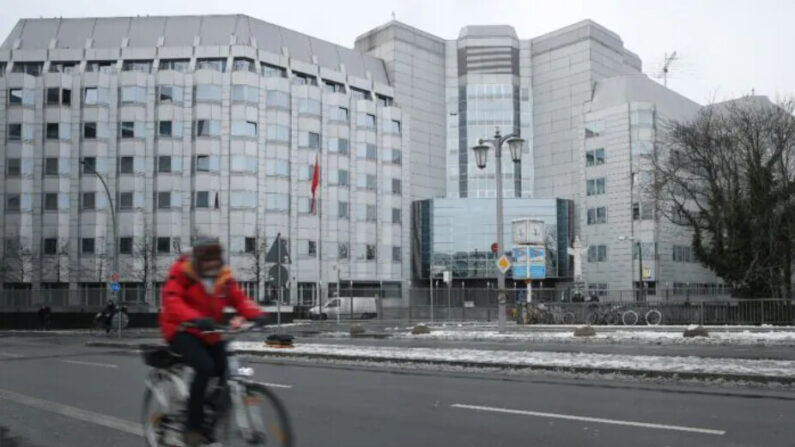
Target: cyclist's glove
204,324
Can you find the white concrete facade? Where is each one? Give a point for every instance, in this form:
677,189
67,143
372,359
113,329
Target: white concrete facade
205,125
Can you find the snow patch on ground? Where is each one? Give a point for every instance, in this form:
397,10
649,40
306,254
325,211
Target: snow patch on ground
716,337
670,364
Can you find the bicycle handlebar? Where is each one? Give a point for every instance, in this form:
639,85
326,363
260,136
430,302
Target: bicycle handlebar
224,330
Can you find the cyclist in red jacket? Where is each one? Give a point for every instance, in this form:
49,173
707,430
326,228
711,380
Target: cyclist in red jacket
196,291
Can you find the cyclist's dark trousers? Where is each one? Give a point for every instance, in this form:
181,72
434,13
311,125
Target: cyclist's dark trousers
207,361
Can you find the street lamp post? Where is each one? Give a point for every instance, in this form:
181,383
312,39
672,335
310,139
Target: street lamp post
481,153
91,170
640,263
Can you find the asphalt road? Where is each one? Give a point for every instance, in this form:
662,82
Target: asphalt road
56,392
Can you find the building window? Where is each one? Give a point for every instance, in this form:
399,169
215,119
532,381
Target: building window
244,129
394,127
642,210
87,245
164,200
682,253
397,186
133,95
393,156
215,64
245,93
276,168
206,163
53,96
277,98
311,249
244,64
343,177
88,201
595,157
126,165
368,151
309,140
339,114
309,106
597,253
125,245
207,128
304,79
594,187
594,128
168,94
342,250
127,129
89,165
371,213
396,254
366,181
100,66
208,93
202,199
397,216
333,87
181,65
276,202
50,201
50,246
63,67
597,215
13,167
13,202
384,101
89,131
50,166
369,251
90,96
14,132
357,93
163,245
367,120
164,164
649,250
164,129
52,131
273,71
339,145
31,68
125,200
342,210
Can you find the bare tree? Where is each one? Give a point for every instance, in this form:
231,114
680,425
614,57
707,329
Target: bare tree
19,263
729,177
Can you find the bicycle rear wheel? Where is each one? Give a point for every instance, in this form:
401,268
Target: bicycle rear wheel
629,318
653,317
266,420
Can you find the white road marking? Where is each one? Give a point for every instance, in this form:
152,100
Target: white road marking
74,413
101,365
8,354
276,385
706,431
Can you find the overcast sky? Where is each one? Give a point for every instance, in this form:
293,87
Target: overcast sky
727,47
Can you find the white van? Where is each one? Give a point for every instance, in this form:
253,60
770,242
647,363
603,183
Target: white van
361,307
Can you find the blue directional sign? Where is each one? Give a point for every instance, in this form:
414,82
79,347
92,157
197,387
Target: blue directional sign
529,262
115,287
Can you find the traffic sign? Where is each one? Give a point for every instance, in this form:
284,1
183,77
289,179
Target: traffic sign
504,264
115,287
114,277
495,248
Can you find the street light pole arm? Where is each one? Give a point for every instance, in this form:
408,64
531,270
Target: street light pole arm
112,216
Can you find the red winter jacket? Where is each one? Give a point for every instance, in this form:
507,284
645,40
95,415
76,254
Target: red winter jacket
184,298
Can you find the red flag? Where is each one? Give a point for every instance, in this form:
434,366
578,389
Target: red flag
315,182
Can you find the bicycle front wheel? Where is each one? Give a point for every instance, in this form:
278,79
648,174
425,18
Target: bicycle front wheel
261,419
653,317
629,318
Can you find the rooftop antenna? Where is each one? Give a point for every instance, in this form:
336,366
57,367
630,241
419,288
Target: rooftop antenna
669,59
393,15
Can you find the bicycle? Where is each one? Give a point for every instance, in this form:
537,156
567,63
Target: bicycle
601,315
229,405
653,317
100,323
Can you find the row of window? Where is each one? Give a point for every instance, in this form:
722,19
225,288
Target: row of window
127,200
647,250
167,94
167,245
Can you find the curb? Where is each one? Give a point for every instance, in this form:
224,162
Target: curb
640,373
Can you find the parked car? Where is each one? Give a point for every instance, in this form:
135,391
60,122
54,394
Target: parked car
346,307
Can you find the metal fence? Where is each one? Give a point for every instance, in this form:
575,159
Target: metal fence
87,299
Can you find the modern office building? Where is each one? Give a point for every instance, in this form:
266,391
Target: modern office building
550,89
200,125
